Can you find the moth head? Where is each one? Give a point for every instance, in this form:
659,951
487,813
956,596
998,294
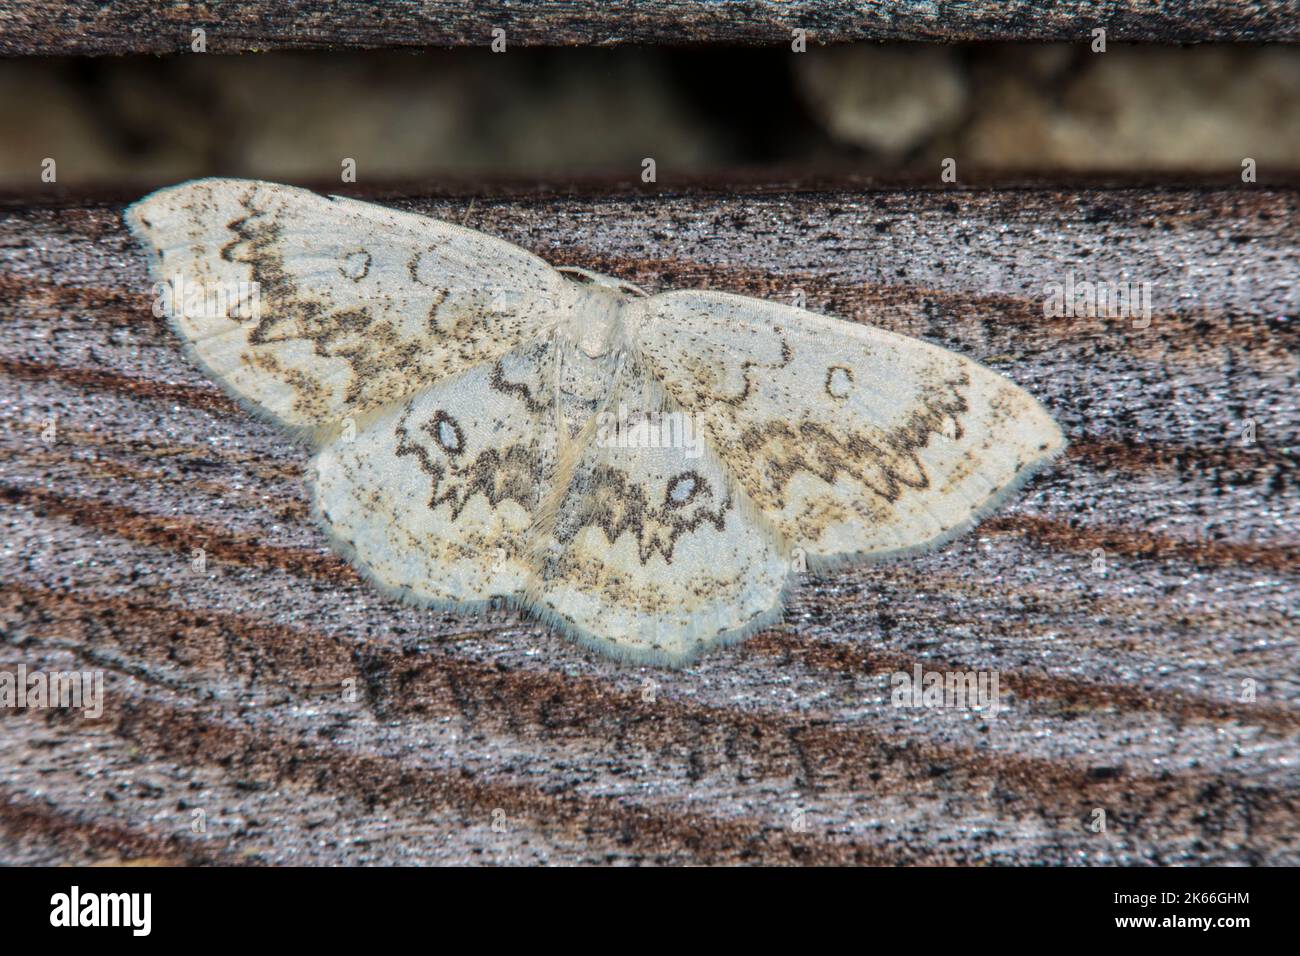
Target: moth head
595,315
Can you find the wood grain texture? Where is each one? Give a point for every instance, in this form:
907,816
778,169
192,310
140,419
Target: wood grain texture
491,739
140,26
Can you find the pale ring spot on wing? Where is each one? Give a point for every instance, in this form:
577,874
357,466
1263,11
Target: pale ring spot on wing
682,489
838,381
448,434
357,265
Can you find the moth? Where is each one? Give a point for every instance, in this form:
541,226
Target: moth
646,473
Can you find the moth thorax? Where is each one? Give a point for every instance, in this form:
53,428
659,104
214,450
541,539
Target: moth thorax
595,318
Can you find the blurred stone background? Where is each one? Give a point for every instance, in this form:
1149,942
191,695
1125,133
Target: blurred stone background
407,116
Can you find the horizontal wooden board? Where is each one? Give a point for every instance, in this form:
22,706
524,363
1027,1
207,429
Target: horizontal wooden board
137,26
1126,599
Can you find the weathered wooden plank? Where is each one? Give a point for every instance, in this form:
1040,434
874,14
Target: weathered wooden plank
1122,600
139,26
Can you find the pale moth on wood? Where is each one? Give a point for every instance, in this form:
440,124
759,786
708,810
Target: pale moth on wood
644,473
